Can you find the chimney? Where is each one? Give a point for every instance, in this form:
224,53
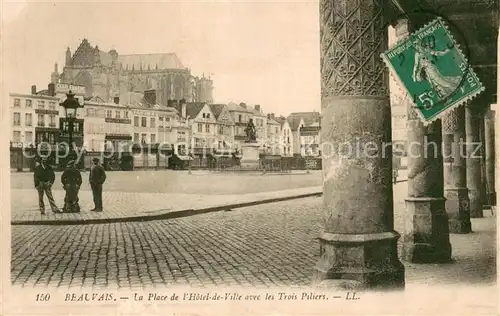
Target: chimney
33,89
150,96
52,89
272,116
257,107
243,105
116,100
183,108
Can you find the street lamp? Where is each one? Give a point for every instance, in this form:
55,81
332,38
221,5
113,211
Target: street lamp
70,106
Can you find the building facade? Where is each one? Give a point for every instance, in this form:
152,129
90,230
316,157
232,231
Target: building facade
34,119
224,127
286,138
273,135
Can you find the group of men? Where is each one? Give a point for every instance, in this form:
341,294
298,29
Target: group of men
71,180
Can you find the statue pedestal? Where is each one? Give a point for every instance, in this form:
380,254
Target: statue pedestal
250,153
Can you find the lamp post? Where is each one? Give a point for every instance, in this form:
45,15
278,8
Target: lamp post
70,106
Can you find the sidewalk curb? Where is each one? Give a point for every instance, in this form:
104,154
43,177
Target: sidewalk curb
168,215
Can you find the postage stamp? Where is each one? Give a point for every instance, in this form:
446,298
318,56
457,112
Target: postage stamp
432,71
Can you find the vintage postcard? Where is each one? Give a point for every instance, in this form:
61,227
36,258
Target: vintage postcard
317,157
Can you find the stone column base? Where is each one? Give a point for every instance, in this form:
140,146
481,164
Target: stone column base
458,210
492,198
370,260
427,238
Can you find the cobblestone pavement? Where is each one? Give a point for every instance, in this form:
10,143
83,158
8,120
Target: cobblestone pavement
168,181
271,245
125,205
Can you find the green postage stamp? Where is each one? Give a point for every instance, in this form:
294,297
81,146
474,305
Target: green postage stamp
431,68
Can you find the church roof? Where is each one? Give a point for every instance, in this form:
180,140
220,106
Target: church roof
163,61
310,118
193,108
233,107
217,109
294,122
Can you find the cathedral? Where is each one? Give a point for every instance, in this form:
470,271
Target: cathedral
109,75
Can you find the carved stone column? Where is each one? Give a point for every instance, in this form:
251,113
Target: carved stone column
359,242
426,238
489,139
455,172
473,159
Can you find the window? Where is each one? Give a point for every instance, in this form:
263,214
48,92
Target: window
90,112
29,137
239,118
143,122
207,128
125,114
200,127
29,104
221,129
53,121
136,137
136,121
41,120
28,118
17,119
17,136
17,103
108,113
52,105
143,138
41,104
153,122
152,138
117,114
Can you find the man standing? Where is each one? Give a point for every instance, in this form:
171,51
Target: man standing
44,177
71,180
97,177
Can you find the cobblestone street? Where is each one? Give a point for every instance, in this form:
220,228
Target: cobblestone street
266,245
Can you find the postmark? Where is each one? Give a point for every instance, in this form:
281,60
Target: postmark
432,71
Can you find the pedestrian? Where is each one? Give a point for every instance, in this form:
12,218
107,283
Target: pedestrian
97,177
44,177
71,180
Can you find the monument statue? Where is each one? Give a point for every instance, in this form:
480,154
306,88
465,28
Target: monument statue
251,133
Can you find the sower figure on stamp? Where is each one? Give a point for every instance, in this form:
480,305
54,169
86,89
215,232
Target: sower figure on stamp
96,179
44,177
71,180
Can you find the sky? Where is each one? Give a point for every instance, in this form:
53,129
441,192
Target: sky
258,52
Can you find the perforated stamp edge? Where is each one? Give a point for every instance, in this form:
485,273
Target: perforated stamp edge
404,91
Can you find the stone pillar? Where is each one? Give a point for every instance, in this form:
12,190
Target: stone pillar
455,172
482,153
489,140
359,242
426,238
473,160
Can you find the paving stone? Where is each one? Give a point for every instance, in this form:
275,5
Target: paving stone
193,250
